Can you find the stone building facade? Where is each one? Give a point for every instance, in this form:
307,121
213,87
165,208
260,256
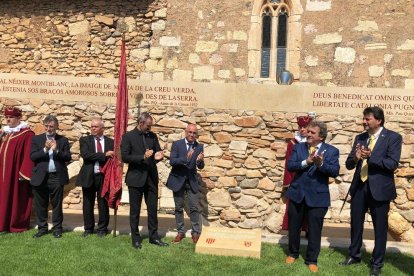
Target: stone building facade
329,43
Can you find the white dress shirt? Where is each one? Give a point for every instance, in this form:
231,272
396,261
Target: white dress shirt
97,169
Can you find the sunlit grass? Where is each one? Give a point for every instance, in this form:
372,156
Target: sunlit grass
20,254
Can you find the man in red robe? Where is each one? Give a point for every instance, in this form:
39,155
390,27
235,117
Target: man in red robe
15,173
300,136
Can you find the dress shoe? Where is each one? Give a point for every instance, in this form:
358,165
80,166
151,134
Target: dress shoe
375,271
195,238
39,234
86,233
136,244
290,260
158,242
350,261
57,234
178,238
313,267
101,234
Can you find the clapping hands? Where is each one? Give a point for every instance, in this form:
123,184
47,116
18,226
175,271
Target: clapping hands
50,144
316,159
159,155
361,152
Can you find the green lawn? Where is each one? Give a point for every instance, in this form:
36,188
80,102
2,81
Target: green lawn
20,254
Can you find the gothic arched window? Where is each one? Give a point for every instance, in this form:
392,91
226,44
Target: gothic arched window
274,21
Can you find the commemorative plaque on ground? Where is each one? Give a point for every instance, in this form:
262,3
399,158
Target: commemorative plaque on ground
230,242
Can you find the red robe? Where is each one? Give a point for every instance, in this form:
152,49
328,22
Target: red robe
15,195
288,176
287,179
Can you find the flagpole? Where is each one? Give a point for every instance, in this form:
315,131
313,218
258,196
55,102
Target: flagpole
116,206
115,220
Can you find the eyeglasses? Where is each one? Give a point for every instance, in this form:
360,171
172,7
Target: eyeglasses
192,132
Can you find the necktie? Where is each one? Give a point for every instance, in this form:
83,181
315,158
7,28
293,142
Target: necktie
364,167
189,146
99,149
98,145
311,149
51,166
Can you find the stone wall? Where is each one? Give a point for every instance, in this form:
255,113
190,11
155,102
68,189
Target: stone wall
209,41
245,155
338,43
77,38
362,43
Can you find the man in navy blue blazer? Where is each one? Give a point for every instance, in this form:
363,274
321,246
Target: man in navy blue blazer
186,156
49,152
375,156
313,163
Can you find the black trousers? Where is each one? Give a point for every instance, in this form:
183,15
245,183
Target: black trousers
297,212
89,196
50,187
361,201
179,198
150,193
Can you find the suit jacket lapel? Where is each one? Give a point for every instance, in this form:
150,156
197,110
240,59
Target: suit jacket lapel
322,148
106,144
182,145
378,145
195,144
91,141
305,150
58,144
196,151
140,139
43,138
381,138
363,139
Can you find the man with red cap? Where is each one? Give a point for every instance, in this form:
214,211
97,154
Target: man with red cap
300,136
15,173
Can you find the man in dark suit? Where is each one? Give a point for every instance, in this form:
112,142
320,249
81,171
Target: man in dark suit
49,152
186,156
375,156
95,150
313,163
141,150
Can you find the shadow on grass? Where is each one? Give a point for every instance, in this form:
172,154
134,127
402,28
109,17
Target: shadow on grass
74,222
395,260
403,262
